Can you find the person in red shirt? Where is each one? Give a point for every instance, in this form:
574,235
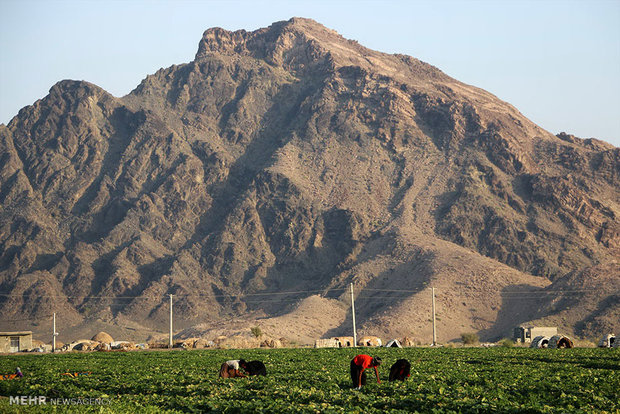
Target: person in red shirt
361,363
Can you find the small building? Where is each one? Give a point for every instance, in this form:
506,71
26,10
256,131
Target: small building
102,337
335,342
394,343
560,341
607,341
525,334
15,341
326,343
345,341
540,342
369,341
406,341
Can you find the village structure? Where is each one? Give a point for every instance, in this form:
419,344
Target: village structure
526,334
15,341
22,341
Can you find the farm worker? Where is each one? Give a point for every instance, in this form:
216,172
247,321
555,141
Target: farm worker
401,370
230,369
361,363
18,372
253,367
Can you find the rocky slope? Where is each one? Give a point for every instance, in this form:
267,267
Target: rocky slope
290,159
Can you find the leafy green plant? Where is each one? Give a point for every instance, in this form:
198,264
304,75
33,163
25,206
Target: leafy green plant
317,380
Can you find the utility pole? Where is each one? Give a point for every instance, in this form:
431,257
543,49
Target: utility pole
353,314
54,334
170,336
434,327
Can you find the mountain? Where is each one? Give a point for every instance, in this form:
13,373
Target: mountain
290,159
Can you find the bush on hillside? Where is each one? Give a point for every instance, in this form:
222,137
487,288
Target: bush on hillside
470,338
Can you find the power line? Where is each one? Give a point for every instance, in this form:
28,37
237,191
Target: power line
503,292
506,294
554,291
179,295
255,302
28,319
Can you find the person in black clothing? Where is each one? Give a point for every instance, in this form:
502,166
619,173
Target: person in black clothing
253,367
400,370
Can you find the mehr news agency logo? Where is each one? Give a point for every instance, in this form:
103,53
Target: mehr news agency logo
43,400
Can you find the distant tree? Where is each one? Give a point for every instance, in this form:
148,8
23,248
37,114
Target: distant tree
257,332
470,338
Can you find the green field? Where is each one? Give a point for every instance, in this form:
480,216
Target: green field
317,380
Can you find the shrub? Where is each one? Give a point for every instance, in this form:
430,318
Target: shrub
507,343
470,338
257,332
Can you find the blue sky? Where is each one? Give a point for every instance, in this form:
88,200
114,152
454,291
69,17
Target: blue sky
557,61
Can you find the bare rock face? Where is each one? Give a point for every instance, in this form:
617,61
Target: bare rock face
290,159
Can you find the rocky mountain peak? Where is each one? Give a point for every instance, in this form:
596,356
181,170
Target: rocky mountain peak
218,40
294,42
290,159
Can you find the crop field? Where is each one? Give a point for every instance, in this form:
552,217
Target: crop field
317,380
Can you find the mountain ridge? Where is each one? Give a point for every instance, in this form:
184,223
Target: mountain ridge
288,159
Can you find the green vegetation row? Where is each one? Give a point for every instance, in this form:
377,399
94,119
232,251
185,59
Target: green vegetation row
317,380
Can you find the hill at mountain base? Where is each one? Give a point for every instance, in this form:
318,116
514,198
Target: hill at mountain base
257,182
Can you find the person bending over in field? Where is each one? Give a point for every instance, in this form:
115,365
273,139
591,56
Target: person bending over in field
253,367
361,363
401,370
230,369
